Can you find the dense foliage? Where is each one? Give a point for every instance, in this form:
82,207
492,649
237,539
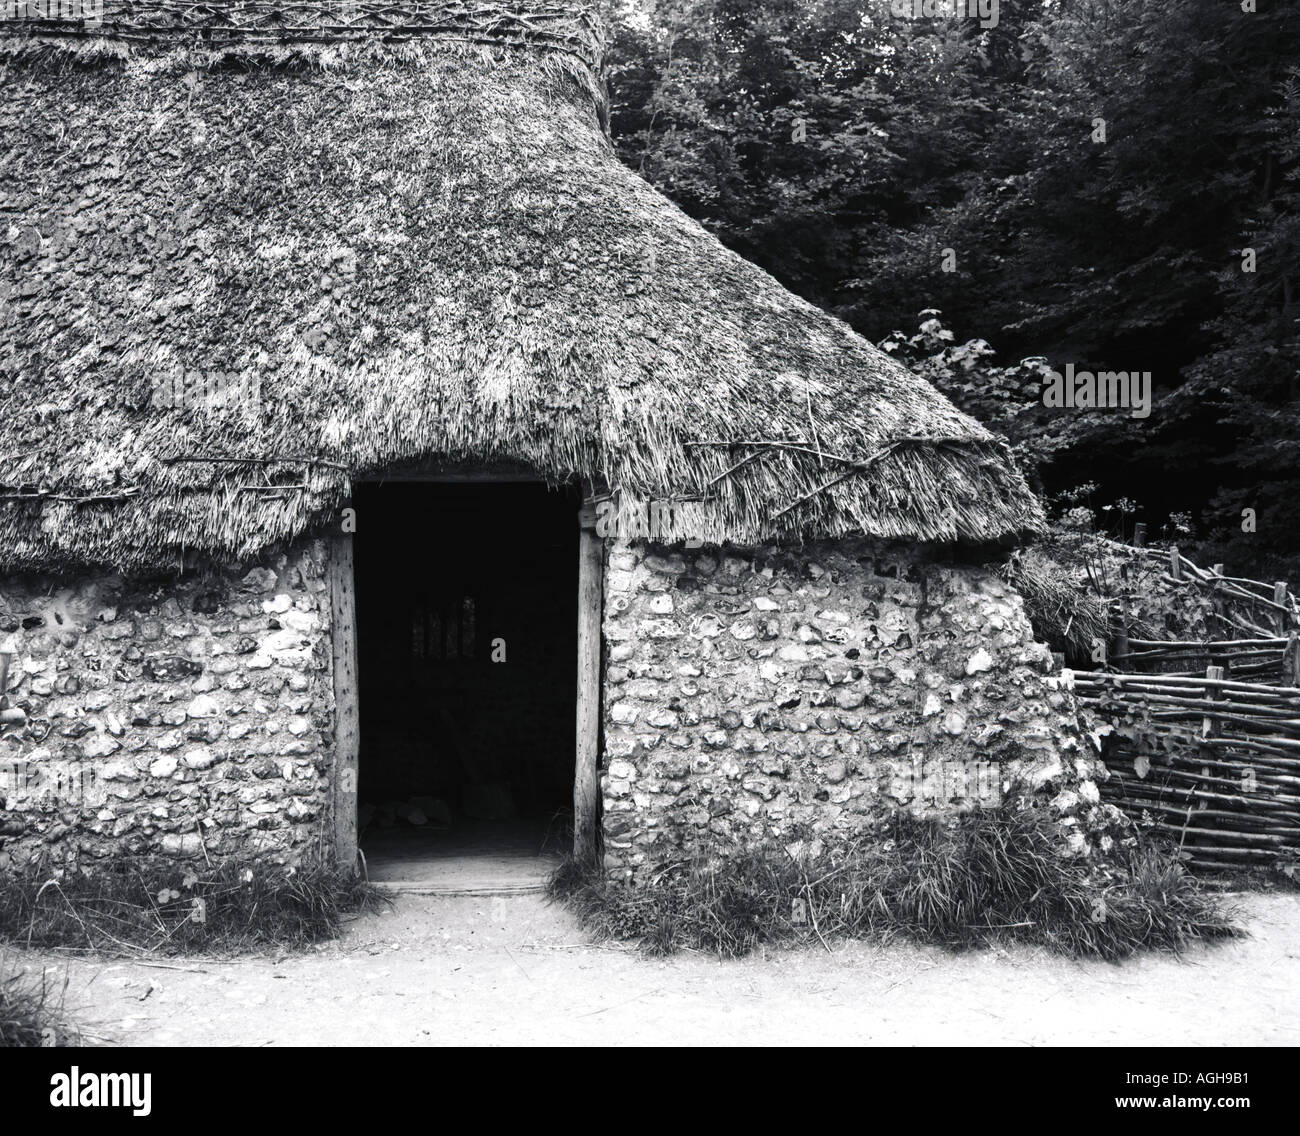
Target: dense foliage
881,166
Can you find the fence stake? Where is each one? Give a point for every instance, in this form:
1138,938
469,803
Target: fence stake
1291,661
1121,636
1140,535
1279,597
1208,725
1175,563
1217,602
1214,674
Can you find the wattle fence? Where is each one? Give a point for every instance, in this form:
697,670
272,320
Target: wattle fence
1202,737
1214,763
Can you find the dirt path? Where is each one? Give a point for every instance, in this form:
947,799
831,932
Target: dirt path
467,971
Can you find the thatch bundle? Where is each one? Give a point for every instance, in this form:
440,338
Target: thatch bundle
414,234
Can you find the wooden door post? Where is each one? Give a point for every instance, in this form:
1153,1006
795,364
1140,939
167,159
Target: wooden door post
347,715
586,775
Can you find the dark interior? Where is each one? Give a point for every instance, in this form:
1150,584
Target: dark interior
467,656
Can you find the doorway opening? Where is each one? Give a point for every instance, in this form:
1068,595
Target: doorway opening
466,598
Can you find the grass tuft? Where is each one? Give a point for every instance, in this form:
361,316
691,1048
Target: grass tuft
158,906
31,1013
981,879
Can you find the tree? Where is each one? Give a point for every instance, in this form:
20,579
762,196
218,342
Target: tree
1074,185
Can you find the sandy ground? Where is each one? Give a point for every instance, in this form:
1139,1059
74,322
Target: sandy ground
512,970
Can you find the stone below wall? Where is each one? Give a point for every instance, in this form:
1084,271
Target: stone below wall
179,715
796,696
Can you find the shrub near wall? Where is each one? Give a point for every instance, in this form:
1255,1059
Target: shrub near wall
180,715
789,696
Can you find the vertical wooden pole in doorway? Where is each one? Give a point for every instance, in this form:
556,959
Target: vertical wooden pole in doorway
347,716
586,781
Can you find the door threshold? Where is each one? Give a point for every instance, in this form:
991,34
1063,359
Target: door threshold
416,887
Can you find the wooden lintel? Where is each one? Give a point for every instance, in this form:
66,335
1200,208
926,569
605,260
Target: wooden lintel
468,477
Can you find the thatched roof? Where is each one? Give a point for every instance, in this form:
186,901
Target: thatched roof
415,233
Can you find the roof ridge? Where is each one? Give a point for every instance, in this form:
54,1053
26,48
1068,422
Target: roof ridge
565,28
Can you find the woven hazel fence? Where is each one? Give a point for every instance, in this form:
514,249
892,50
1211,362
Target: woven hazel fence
1254,627
1274,660
1204,735
1213,762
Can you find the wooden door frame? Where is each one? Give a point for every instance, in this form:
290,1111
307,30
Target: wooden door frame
347,712
347,703
586,764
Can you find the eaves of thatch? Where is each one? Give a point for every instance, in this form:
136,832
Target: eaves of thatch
419,241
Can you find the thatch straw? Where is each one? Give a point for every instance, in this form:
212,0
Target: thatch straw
429,254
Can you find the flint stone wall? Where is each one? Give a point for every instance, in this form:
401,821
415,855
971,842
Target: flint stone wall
794,695
173,716
798,695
